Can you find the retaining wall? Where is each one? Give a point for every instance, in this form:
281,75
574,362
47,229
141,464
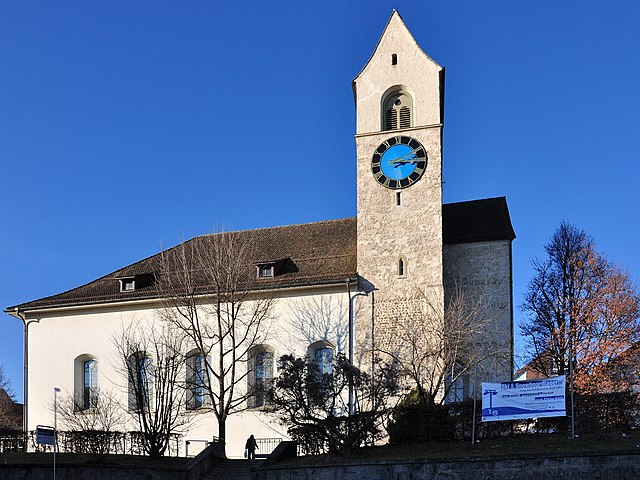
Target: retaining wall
587,467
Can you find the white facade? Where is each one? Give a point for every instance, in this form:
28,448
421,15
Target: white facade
58,338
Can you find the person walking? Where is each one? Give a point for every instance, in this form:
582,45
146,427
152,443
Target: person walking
251,447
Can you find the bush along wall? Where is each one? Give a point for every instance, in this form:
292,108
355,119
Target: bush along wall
420,423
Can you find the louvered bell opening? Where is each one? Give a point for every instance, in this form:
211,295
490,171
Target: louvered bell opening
390,119
405,117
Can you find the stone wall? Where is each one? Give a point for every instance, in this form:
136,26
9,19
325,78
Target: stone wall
83,472
586,467
482,272
72,468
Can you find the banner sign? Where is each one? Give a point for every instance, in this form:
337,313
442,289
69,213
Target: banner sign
544,397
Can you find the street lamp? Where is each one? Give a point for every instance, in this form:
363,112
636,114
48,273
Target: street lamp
55,428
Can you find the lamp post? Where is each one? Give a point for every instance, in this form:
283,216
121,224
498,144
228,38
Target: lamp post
55,428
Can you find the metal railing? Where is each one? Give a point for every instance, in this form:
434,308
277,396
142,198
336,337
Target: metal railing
11,441
97,442
266,446
191,443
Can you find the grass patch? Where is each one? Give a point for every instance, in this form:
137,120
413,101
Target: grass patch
509,446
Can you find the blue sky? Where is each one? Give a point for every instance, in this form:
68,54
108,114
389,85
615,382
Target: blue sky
126,126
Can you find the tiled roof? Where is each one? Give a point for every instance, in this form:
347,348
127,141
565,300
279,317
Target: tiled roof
320,253
317,253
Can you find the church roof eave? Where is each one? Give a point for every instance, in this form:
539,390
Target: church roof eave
157,299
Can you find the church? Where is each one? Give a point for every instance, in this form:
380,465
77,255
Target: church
333,286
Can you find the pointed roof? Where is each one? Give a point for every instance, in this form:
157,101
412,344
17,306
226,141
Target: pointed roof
395,22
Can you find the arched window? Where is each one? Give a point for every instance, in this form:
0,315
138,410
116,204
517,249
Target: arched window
140,373
402,267
85,382
322,352
90,384
324,359
260,375
397,108
197,388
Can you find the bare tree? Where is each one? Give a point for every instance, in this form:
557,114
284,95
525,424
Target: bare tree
5,383
581,307
106,413
97,429
152,359
206,285
316,318
9,416
435,350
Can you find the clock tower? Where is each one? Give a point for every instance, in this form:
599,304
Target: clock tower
399,106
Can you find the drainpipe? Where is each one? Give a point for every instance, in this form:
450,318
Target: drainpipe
352,341
25,360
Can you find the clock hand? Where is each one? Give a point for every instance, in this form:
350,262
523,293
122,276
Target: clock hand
403,160
399,163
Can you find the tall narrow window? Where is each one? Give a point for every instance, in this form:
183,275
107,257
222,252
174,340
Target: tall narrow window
261,375
90,384
197,391
264,377
85,382
398,198
140,372
397,111
402,267
394,59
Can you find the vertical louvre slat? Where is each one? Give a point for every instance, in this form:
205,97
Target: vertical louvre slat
405,117
391,119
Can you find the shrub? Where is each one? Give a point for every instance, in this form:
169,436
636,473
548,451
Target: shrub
421,422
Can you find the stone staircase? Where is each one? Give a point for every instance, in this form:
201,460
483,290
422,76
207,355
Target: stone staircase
233,469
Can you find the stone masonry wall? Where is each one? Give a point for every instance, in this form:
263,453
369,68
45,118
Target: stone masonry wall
600,467
482,272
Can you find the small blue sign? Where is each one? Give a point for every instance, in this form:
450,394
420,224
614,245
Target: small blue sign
45,435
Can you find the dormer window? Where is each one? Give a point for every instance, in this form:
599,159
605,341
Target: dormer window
133,282
269,268
127,284
266,270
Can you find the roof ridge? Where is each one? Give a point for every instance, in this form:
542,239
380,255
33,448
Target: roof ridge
277,227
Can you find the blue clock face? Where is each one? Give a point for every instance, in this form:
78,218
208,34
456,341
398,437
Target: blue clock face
399,162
